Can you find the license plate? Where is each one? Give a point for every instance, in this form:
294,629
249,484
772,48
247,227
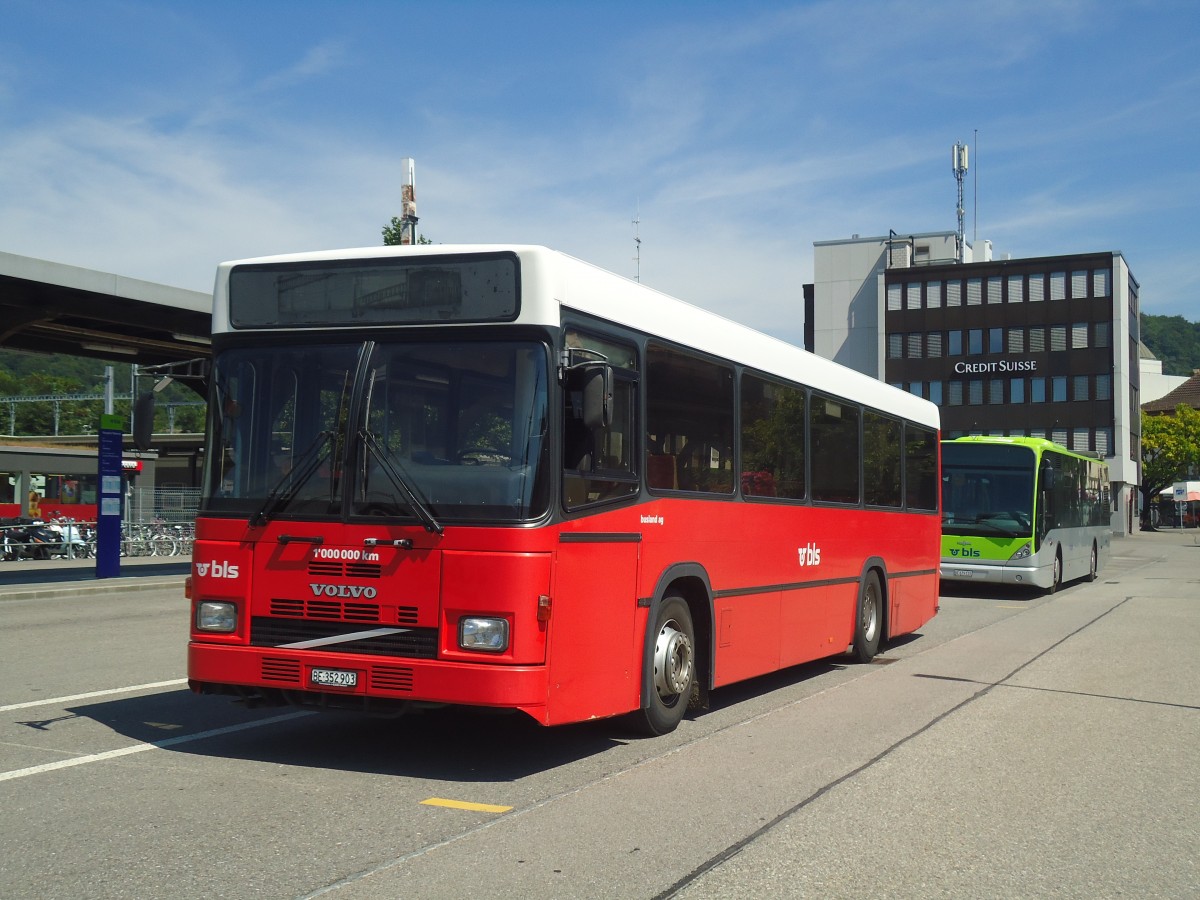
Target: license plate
341,678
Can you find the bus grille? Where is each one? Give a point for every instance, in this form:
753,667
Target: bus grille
332,568
325,609
286,670
335,610
392,678
416,643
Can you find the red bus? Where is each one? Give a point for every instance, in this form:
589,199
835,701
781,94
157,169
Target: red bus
499,476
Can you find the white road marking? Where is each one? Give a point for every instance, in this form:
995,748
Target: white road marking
141,748
133,688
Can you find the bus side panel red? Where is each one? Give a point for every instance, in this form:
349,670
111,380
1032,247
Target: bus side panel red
805,629
595,653
748,636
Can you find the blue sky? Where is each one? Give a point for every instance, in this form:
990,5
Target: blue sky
156,139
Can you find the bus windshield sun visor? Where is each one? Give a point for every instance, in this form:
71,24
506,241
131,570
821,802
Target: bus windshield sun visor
420,510
287,487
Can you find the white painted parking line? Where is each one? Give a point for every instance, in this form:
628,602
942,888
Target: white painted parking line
141,748
131,689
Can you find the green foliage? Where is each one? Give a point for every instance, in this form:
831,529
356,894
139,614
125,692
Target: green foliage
1175,341
1170,450
393,230
35,374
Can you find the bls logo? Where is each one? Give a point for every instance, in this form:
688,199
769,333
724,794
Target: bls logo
809,555
965,552
217,569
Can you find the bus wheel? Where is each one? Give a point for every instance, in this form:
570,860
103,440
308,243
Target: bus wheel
1094,567
1056,577
674,661
868,626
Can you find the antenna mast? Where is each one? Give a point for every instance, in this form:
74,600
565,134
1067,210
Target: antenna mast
637,243
959,162
408,202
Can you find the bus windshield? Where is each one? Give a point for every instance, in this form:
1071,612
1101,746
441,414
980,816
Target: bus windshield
987,490
412,430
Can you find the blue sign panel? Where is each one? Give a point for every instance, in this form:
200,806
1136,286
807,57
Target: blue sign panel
111,494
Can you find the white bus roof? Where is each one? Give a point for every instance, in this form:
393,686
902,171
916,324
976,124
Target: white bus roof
552,280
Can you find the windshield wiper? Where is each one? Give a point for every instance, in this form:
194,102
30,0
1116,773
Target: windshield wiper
420,510
289,484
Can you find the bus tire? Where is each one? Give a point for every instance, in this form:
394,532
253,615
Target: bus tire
1056,574
1094,565
868,619
674,661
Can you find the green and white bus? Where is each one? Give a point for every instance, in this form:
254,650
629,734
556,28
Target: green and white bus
1023,511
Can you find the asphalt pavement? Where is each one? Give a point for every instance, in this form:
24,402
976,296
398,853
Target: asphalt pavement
1052,753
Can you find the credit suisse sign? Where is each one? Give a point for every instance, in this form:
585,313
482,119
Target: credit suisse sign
1003,365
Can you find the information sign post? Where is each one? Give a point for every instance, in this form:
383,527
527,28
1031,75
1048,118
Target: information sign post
108,517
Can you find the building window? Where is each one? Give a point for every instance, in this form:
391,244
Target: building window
1037,288
1081,387
1058,285
956,393
1038,433
1037,339
995,340
1016,390
935,392
996,390
1016,288
1100,283
1102,334
915,350
1103,387
975,342
1079,284
1079,336
1016,340
895,346
975,392
933,295
912,296
1058,389
915,388
933,345
954,293
1037,390
974,291
1104,441
893,297
1058,338
1081,440
995,289
954,339
1059,436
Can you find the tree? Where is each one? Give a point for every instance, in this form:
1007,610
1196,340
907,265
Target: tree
393,230
1175,341
1170,451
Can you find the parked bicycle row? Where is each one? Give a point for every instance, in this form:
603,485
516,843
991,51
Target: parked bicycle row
22,539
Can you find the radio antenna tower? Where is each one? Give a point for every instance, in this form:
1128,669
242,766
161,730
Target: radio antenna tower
959,161
408,202
637,243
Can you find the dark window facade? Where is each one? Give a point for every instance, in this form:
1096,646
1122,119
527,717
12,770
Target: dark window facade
1022,347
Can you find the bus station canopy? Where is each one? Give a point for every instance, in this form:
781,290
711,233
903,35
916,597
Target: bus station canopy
49,307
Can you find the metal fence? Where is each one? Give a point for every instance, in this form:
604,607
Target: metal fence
170,506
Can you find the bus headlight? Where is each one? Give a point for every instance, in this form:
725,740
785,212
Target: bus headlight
483,633
216,615
1023,552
